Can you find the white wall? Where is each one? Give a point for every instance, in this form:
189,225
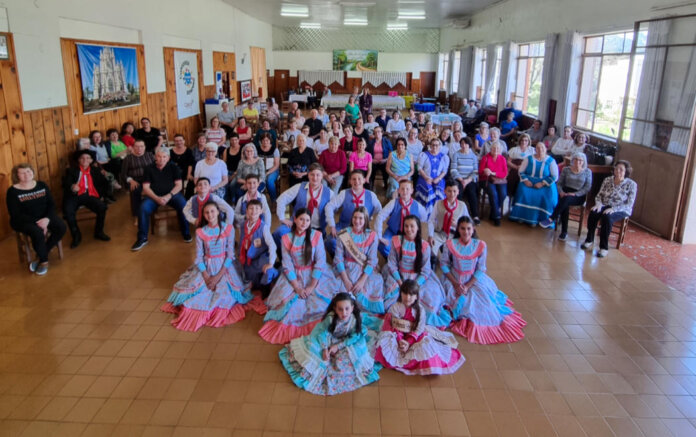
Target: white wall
397,62
208,25
531,20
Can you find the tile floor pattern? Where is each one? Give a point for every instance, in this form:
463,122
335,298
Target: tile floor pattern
85,351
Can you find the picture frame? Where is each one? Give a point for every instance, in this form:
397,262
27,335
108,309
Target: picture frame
4,49
245,91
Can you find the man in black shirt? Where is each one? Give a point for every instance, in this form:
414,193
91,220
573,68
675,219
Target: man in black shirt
315,125
151,135
161,186
383,119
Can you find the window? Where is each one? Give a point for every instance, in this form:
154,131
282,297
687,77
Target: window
456,65
443,70
605,63
530,65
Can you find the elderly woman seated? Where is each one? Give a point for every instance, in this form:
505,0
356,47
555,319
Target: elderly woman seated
536,195
614,202
493,173
573,185
33,212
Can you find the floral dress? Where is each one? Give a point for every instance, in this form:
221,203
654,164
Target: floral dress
289,316
350,368
430,352
371,298
433,165
192,301
484,314
401,266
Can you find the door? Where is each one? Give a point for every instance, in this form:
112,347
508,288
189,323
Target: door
427,83
281,84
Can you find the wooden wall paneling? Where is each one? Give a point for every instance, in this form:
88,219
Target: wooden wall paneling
13,103
270,80
68,136
293,82
51,146
40,144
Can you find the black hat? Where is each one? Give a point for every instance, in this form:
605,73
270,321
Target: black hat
79,153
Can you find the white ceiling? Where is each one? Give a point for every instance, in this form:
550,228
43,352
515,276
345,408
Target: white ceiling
331,13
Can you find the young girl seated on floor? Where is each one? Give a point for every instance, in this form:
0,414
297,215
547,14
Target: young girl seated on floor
410,346
337,356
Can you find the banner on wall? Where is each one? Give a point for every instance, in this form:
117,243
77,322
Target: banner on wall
186,74
355,60
109,76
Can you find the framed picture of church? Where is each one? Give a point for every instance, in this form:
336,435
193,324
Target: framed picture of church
109,77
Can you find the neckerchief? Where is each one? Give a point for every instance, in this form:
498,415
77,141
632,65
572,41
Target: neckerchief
313,201
449,215
358,200
85,184
201,204
246,242
405,210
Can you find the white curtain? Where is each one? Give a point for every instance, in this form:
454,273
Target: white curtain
489,78
685,110
508,72
547,76
450,73
466,73
650,84
569,57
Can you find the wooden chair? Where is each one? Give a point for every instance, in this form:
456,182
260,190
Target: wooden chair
163,214
576,213
619,229
83,214
24,247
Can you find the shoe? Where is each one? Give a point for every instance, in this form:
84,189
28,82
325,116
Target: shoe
117,186
42,269
102,236
546,223
110,199
33,265
477,221
76,239
187,238
496,222
138,245
562,237
587,245
601,253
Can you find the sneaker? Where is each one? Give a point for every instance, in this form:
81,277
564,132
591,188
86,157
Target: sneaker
42,269
546,223
562,237
138,245
33,265
587,245
601,253
187,238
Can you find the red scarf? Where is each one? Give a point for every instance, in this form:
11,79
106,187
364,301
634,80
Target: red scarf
449,215
405,210
358,200
201,204
246,242
85,184
313,201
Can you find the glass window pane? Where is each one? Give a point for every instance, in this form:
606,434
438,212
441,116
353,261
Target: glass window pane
542,48
628,42
521,84
612,87
589,82
593,44
585,119
534,91
524,50
613,43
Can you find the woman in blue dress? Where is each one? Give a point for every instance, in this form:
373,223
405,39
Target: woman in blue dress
356,263
211,292
399,166
482,313
432,169
305,288
409,258
536,195
337,356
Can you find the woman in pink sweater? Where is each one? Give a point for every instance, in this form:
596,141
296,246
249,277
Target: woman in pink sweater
493,177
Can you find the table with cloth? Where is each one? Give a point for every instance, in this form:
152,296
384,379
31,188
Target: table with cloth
424,107
378,101
443,118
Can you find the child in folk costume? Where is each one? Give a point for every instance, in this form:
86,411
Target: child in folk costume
252,193
483,314
356,262
432,169
409,258
408,344
347,200
394,213
257,251
446,213
336,357
210,292
305,288
193,211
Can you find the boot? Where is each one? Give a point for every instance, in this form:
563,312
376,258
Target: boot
76,236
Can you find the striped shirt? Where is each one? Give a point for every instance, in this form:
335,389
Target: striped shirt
463,165
579,183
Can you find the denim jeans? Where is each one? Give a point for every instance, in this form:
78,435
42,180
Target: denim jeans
149,206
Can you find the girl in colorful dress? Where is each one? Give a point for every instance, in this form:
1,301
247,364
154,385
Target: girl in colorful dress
409,258
483,314
336,357
356,261
432,169
211,292
408,344
305,288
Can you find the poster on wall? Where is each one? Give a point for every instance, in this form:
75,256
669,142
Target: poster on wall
186,74
109,77
245,90
355,60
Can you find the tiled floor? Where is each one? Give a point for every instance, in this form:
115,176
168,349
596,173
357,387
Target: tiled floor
610,351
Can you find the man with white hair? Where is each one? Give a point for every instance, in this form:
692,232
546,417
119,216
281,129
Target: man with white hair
161,186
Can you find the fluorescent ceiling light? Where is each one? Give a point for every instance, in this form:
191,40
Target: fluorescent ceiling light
290,10
304,25
397,26
355,22
411,14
